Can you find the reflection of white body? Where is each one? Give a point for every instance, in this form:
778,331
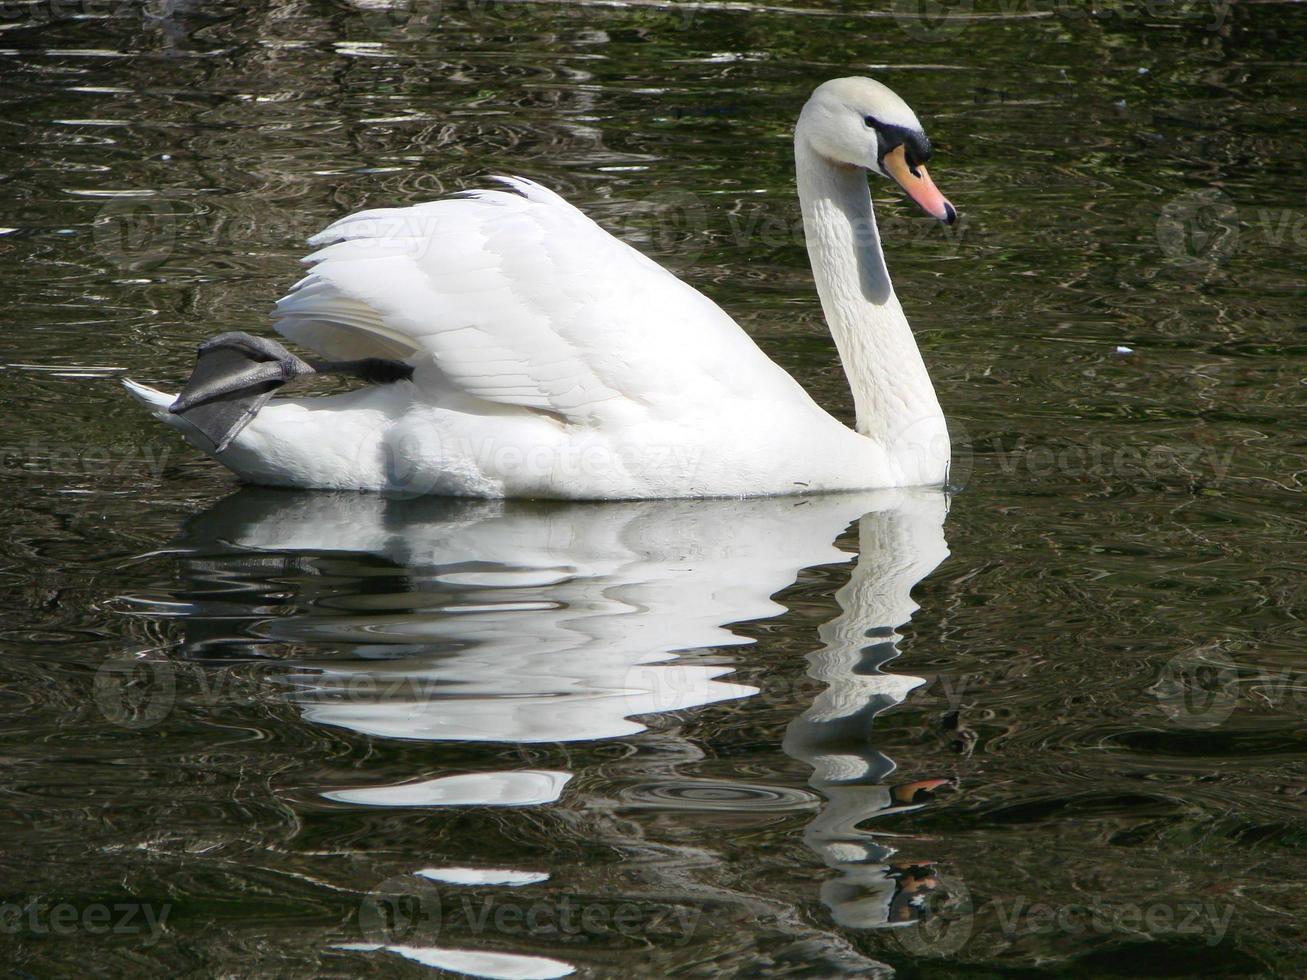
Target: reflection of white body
552,360
543,623
539,624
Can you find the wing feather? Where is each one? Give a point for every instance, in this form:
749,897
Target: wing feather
519,298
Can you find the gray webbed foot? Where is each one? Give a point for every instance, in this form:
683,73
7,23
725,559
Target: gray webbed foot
235,375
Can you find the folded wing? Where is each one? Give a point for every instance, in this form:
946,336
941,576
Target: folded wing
520,299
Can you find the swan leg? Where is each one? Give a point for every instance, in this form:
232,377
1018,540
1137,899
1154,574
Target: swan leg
235,375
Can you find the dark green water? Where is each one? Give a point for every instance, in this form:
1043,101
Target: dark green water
681,738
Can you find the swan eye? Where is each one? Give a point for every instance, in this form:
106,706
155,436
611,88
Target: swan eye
870,121
918,151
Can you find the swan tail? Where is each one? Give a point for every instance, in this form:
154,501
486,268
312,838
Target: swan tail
156,402
236,374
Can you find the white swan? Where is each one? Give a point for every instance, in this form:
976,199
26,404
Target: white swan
528,353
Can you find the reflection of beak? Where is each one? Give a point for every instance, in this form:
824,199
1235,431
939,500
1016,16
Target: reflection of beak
918,792
919,186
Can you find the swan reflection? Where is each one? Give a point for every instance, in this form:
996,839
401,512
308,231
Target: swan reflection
897,548
514,622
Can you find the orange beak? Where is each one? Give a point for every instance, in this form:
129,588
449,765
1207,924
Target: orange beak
919,186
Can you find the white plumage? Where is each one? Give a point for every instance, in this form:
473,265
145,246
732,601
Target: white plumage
551,360
522,300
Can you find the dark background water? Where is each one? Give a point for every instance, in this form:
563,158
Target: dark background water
1089,757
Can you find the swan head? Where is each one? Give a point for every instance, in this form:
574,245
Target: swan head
858,122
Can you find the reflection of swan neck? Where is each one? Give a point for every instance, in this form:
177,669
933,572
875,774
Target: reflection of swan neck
897,548
891,389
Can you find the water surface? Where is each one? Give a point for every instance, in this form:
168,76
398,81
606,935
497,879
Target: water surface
1050,726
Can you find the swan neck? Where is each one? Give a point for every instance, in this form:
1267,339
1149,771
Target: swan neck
892,394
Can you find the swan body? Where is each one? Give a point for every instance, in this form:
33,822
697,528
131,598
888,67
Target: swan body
550,359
